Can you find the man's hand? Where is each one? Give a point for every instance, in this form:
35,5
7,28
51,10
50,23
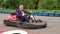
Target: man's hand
23,14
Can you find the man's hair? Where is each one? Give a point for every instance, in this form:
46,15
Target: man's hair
21,5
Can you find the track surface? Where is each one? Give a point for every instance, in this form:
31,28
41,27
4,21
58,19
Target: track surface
53,26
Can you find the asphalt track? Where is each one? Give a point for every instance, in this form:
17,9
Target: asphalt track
53,26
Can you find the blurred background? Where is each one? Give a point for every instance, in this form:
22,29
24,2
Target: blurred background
33,5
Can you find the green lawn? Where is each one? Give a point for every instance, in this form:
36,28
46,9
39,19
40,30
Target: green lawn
8,10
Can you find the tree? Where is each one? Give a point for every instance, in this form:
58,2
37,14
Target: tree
31,4
49,4
12,4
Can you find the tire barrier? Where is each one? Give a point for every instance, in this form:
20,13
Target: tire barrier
40,14
35,14
51,14
45,14
5,12
55,14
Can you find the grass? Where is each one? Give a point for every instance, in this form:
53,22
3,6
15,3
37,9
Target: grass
7,10
10,10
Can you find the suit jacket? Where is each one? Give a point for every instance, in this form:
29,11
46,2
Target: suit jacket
19,13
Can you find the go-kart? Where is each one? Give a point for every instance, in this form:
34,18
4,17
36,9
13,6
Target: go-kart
35,24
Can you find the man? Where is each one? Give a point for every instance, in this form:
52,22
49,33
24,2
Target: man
21,14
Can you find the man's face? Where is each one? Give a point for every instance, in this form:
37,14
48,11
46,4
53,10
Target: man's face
21,7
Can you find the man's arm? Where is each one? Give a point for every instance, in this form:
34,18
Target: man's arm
18,13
